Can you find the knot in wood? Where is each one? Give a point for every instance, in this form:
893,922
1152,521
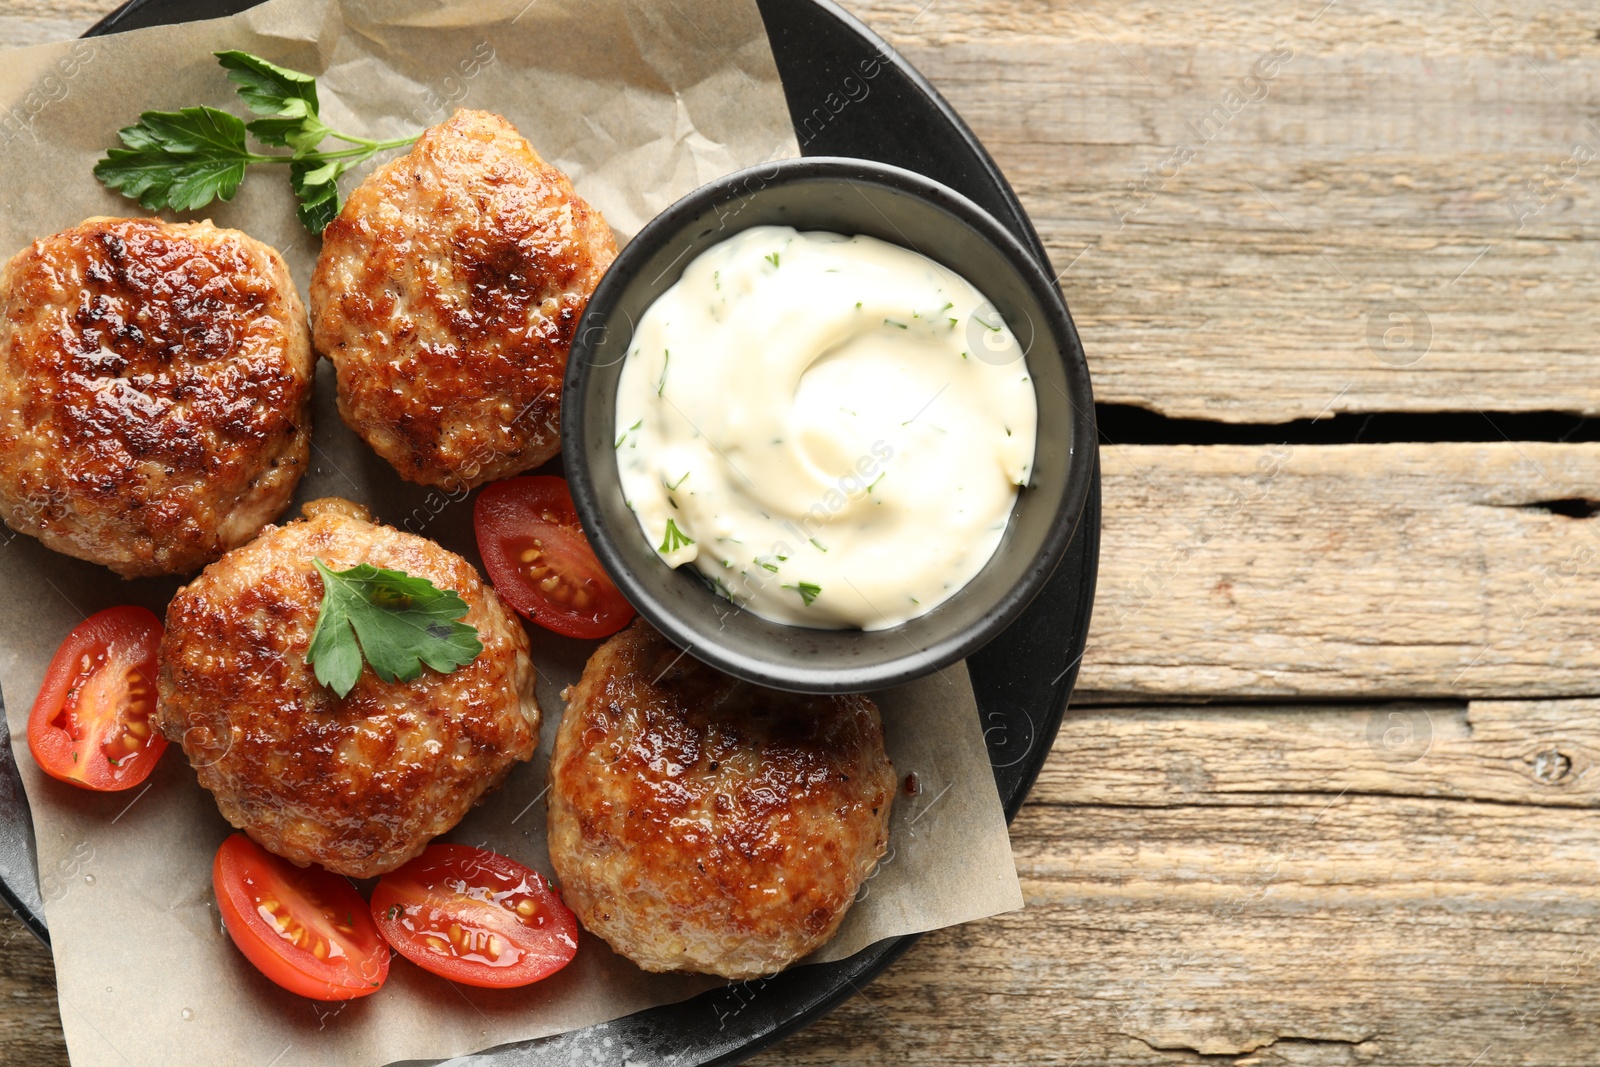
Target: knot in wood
1551,767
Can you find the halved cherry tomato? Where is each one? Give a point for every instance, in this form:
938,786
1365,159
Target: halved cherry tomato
539,560
475,917
304,928
90,723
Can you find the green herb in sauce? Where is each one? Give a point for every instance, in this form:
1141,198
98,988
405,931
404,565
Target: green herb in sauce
674,539
807,591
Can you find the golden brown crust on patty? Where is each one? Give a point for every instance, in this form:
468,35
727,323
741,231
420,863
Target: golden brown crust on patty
447,295
155,392
359,785
700,823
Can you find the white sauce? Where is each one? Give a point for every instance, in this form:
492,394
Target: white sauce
831,429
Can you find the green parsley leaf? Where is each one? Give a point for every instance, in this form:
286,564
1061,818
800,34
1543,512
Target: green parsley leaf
808,592
674,539
178,159
626,432
183,160
268,89
397,622
303,135
317,187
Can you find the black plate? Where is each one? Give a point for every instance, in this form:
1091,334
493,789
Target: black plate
1022,680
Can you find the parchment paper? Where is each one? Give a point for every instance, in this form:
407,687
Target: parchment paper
639,102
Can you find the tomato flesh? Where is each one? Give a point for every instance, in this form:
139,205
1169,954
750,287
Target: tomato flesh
475,917
304,928
90,724
540,561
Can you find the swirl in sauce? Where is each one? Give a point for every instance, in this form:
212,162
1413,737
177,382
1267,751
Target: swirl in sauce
832,429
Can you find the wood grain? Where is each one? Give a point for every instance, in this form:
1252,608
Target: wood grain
1394,221
26,22
1346,571
1406,882
30,1023
1254,282
1271,885
1274,885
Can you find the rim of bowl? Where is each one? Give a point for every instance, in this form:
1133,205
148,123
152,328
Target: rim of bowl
791,672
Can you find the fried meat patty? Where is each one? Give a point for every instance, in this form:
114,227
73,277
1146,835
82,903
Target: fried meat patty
360,784
155,392
447,295
701,823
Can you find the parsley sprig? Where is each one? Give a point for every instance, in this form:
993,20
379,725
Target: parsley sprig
399,623
184,159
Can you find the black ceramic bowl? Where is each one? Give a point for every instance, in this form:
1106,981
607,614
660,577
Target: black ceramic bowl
849,196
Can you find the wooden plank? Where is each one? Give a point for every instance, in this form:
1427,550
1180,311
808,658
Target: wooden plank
1401,570
1262,883
28,22
1276,884
1257,280
1512,752
30,1025
18,31
1247,284
1413,159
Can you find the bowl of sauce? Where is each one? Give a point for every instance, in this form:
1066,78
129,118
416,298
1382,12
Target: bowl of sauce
828,425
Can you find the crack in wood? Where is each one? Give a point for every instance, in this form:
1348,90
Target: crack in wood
1212,1053
1129,424
1284,800
1572,507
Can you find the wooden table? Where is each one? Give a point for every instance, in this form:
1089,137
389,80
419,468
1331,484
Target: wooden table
1324,796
